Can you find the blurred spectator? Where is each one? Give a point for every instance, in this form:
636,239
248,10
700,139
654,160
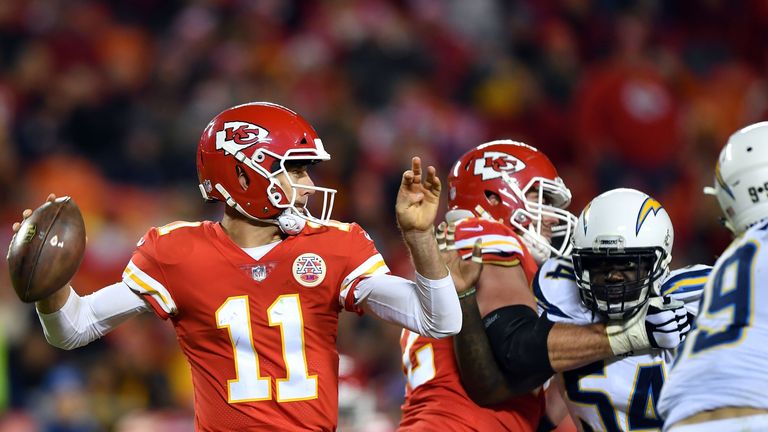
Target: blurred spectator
627,116
63,405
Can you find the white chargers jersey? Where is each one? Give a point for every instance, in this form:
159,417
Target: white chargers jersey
724,362
619,394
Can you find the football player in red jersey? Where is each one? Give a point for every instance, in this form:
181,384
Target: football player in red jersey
505,351
254,298
508,197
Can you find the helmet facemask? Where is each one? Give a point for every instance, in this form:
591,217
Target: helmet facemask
552,197
287,200
277,195
617,282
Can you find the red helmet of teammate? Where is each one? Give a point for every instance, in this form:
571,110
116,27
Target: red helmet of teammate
258,138
492,181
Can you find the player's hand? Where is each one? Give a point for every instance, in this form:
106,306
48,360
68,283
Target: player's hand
464,273
661,323
27,213
17,225
667,322
418,198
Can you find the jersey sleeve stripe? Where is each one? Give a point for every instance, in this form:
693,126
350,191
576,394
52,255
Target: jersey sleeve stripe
688,275
494,259
501,242
347,298
684,281
684,285
496,243
491,251
542,301
143,283
144,286
372,266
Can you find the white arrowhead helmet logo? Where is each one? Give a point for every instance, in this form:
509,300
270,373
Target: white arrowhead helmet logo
237,136
494,163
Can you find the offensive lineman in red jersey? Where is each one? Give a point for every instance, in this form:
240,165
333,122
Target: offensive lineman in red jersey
507,196
505,350
255,298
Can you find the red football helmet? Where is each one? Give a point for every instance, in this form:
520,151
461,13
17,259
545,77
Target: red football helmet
259,137
492,180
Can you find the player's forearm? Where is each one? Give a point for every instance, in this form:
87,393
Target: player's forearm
480,375
425,254
82,320
55,301
438,306
518,338
572,346
427,307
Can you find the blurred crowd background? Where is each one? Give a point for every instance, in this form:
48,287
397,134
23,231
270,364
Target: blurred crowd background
105,101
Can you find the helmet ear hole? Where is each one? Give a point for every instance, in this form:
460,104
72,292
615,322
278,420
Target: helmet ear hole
493,198
242,177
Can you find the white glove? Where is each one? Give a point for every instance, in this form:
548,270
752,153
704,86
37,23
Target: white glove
539,252
667,322
660,323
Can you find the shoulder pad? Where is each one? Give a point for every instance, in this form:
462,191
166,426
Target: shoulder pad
170,243
687,281
500,245
556,292
477,226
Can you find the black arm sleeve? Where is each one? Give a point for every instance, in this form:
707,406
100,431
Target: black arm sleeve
518,338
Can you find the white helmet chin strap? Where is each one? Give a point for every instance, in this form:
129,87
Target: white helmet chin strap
289,222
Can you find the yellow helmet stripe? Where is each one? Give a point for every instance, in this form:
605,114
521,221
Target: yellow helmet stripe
648,206
721,182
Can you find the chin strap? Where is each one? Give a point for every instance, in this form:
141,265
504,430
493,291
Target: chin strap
290,223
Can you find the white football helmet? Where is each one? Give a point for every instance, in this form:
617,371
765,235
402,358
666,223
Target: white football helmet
622,247
741,178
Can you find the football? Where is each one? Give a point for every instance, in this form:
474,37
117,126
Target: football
47,250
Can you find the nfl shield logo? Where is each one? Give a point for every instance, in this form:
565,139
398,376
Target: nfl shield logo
259,273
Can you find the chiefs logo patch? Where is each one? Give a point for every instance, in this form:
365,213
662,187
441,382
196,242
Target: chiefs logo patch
309,269
493,164
237,136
